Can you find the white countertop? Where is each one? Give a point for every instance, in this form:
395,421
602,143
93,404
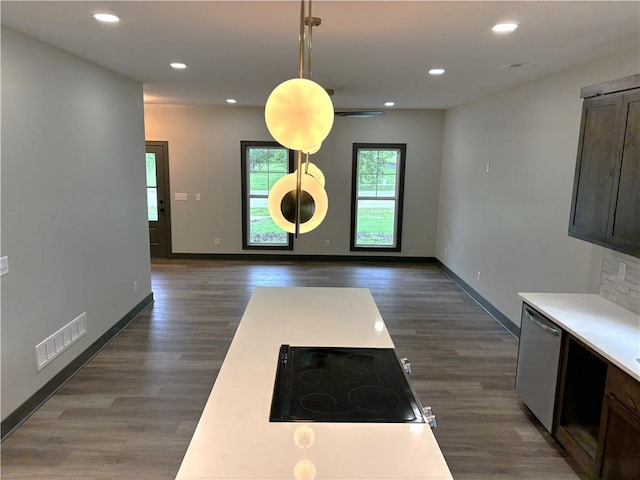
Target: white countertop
609,329
234,438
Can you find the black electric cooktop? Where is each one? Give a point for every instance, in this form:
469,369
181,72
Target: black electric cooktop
335,384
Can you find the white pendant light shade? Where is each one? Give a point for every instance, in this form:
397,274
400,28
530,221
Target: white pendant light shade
313,149
314,200
304,436
315,172
299,114
305,469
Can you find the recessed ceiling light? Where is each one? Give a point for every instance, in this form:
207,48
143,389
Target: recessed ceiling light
436,71
106,18
231,100
514,65
504,27
179,65
389,104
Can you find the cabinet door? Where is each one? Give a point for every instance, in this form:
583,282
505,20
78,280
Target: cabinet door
624,221
595,168
621,445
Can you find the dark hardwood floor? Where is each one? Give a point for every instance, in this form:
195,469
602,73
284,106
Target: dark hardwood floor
130,412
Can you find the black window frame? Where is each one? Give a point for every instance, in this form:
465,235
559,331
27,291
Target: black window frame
244,146
402,148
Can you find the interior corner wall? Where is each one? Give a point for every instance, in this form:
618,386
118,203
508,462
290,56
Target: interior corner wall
204,157
511,223
74,223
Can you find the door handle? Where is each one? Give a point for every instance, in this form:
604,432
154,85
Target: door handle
541,325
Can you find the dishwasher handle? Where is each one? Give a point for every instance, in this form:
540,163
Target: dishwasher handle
541,325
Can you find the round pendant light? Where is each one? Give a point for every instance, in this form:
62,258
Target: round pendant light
305,469
314,203
299,114
304,436
313,149
315,172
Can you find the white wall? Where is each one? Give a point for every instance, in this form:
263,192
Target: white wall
511,224
73,205
204,157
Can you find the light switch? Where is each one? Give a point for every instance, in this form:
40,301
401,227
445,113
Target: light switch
181,196
197,196
4,266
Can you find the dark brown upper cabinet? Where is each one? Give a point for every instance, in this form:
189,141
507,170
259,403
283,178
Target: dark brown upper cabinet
605,207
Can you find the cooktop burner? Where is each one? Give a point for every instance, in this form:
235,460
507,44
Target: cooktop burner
336,384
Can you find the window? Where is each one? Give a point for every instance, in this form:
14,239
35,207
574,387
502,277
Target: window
376,199
263,163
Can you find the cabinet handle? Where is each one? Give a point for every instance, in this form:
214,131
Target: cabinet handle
541,325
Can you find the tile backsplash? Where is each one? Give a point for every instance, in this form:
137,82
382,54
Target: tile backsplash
625,292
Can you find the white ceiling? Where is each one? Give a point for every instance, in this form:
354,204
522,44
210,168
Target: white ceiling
369,52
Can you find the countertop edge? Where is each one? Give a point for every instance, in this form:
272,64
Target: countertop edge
554,305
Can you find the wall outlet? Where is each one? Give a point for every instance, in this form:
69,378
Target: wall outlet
327,243
53,345
216,242
4,266
622,271
479,275
135,286
181,196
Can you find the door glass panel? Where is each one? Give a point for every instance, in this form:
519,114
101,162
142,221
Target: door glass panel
152,203
151,170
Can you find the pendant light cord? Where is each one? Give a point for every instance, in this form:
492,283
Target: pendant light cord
310,26
301,39
301,72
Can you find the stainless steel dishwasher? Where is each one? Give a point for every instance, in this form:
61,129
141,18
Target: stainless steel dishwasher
538,364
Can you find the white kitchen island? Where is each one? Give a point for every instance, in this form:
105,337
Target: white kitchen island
234,438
